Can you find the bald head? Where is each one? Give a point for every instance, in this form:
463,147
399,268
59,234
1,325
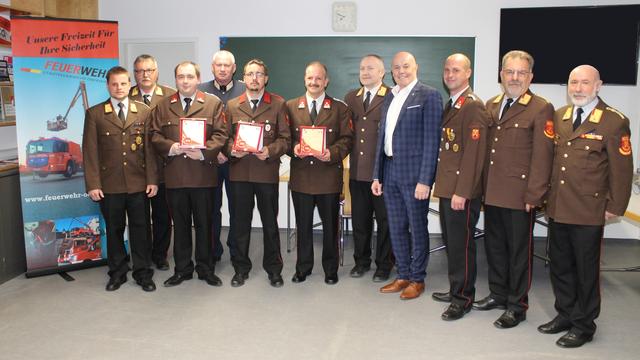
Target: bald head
404,68
584,85
456,73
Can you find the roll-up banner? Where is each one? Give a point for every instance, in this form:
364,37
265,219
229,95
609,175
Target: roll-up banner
60,68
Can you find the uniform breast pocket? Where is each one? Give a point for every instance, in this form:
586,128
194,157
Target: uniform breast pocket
589,153
108,140
171,131
519,134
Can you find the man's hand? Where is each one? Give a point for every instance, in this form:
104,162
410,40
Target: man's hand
175,150
96,194
195,154
608,216
529,207
458,202
238,154
221,158
296,152
422,191
152,190
376,188
263,154
324,156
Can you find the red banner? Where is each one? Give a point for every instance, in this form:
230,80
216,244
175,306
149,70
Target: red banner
64,39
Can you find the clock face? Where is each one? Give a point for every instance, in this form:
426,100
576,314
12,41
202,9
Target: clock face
344,16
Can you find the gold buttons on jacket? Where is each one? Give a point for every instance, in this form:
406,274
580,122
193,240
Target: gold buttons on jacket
457,172
491,162
498,127
362,141
586,147
124,153
496,139
361,153
566,155
563,168
516,125
568,143
562,182
524,176
493,151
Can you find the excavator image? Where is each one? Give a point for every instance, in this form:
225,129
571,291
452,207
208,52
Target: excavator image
60,122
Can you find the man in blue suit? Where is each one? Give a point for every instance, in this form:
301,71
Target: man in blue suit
406,157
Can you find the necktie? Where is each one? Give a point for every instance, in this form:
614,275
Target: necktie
578,120
448,106
314,112
121,112
506,107
367,99
146,100
187,102
223,88
254,105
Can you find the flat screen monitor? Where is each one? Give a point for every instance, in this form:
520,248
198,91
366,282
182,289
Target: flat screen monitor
561,38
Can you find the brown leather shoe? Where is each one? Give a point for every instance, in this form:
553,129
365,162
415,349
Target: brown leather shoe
396,286
412,291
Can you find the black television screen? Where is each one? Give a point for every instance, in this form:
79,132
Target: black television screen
561,38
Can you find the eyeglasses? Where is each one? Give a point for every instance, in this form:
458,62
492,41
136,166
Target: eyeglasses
258,75
144,71
521,73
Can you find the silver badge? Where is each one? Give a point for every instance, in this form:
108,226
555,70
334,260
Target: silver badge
267,127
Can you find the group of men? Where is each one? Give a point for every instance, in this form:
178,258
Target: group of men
511,156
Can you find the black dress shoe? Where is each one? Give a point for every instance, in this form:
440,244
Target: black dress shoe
488,303
455,312
331,279
276,280
212,279
573,340
115,282
162,265
558,324
510,319
146,284
238,279
177,279
441,296
300,277
381,275
358,271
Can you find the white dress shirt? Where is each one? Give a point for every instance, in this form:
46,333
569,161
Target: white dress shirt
399,98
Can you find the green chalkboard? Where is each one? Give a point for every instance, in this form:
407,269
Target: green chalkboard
286,58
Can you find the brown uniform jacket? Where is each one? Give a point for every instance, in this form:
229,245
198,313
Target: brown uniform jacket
520,152
272,113
365,136
159,93
180,171
593,166
115,154
310,175
463,148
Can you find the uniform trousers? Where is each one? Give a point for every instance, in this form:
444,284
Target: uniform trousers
223,178
574,251
363,206
408,225
509,247
116,209
328,206
187,204
266,196
458,229
161,219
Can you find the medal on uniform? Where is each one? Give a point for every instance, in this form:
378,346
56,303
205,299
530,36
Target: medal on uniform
267,127
451,135
133,147
446,146
138,140
456,148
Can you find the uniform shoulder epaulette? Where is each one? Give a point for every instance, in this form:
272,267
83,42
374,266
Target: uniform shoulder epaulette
340,101
360,91
140,103
497,99
473,97
543,98
615,111
524,99
276,96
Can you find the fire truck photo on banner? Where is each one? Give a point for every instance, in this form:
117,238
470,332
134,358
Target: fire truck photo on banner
60,69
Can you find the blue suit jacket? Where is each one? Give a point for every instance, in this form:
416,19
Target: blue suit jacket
416,138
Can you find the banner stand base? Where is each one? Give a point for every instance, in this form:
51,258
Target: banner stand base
66,276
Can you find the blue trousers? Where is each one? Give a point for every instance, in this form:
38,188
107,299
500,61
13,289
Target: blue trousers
408,226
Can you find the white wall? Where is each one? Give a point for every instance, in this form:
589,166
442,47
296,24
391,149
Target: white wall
207,20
